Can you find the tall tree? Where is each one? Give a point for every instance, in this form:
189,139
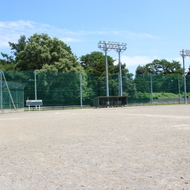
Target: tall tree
94,63
160,76
141,70
7,63
188,71
41,52
164,67
18,47
160,67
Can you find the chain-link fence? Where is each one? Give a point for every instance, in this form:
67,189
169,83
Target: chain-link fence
11,93
68,89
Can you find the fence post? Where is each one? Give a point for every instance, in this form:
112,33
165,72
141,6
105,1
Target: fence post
151,89
80,89
179,96
35,87
1,90
8,89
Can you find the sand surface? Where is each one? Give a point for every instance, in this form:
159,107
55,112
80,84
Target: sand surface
135,148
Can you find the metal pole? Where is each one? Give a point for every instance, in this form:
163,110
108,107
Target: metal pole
1,90
8,90
107,83
105,46
120,48
81,89
35,85
120,77
151,89
183,54
184,78
179,89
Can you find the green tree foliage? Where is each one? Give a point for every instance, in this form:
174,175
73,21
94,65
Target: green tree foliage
160,76
41,52
18,47
188,71
143,83
48,56
162,66
7,63
129,88
94,63
141,70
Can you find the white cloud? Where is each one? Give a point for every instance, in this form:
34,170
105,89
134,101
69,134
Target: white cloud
135,61
142,35
12,30
9,37
17,25
135,35
68,39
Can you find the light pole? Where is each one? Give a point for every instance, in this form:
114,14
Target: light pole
106,46
184,53
120,48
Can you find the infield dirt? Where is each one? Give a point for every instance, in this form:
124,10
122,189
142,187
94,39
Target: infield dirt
135,148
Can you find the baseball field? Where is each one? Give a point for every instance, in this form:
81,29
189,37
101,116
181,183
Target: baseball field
135,148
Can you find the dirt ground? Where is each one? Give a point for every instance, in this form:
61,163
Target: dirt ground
135,148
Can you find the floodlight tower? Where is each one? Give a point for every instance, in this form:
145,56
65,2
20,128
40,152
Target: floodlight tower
106,46
184,53
119,48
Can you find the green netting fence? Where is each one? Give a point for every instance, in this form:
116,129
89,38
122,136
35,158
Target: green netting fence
11,93
65,89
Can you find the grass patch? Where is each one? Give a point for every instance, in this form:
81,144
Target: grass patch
163,95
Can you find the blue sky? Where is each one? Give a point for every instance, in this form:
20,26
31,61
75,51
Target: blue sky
152,29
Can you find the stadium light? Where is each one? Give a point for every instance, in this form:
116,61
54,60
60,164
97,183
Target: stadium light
106,46
119,48
184,53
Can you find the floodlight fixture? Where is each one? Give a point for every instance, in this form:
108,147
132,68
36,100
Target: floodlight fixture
119,48
106,46
184,53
